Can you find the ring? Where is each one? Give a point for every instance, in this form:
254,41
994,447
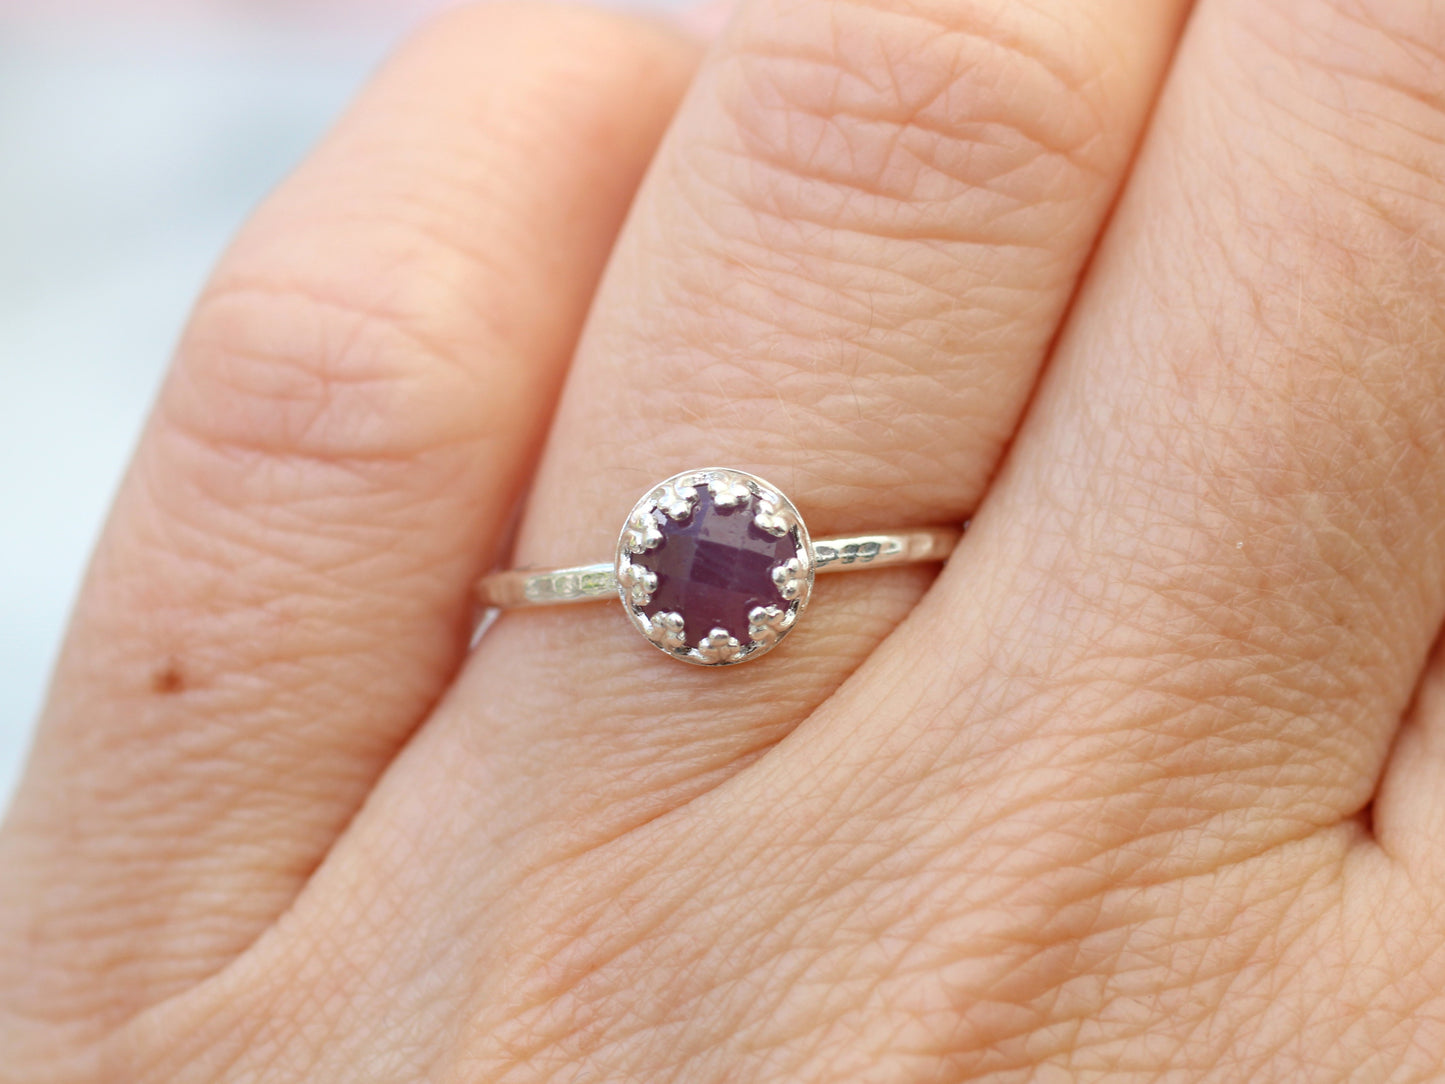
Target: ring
714,567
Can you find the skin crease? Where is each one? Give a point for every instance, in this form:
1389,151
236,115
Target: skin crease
1144,785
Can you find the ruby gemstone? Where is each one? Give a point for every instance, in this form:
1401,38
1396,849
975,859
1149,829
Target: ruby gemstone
715,567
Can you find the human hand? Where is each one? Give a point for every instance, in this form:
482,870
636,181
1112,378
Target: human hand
1139,787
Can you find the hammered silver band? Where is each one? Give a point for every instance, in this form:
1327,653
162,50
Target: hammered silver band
519,587
714,566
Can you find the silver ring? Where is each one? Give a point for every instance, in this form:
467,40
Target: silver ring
714,567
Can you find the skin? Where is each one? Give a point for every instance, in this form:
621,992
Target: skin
1146,784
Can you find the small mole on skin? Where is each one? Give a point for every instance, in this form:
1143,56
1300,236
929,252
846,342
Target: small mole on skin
168,679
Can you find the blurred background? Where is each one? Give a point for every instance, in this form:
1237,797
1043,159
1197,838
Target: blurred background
134,138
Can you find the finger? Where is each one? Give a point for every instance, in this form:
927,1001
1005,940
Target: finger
1408,815
1215,564
282,591
844,272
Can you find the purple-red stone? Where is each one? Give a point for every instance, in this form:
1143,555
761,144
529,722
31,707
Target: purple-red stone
715,567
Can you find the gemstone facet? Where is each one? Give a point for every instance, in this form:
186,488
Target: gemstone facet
714,566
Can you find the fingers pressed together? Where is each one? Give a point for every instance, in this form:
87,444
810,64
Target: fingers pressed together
1113,796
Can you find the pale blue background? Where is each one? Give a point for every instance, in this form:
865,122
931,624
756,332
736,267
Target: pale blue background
131,145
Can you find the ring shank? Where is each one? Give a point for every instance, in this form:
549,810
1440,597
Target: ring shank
518,587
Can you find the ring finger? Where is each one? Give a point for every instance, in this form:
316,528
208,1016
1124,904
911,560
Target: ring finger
843,273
